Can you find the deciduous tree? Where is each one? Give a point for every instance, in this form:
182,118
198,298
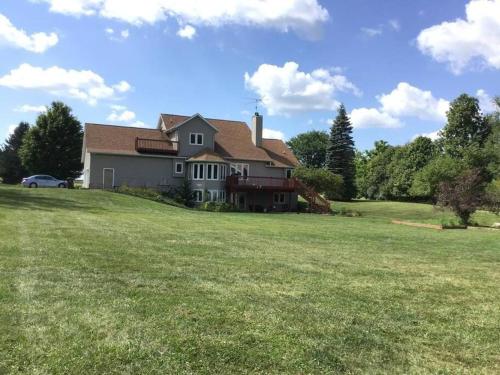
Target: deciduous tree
11,168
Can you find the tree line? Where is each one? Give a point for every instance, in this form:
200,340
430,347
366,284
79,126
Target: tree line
52,146
460,170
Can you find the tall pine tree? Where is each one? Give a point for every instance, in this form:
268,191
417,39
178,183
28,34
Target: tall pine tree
11,169
340,152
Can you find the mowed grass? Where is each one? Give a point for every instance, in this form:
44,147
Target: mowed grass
94,282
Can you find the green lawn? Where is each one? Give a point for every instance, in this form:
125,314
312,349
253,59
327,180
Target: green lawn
93,282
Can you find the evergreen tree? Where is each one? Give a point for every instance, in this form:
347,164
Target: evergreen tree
54,145
11,169
340,152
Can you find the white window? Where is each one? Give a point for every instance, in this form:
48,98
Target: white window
179,167
289,173
198,195
198,171
279,198
222,172
222,195
196,139
212,171
212,195
240,169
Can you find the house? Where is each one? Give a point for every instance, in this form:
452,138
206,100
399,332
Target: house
224,160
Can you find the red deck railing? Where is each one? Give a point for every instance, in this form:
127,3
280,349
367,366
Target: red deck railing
241,183
155,146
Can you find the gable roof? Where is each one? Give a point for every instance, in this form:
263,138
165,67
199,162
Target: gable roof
197,115
207,155
234,141
118,139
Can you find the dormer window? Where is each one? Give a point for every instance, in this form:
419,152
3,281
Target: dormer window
196,139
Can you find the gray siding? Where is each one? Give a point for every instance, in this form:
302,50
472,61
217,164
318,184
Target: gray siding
195,125
136,171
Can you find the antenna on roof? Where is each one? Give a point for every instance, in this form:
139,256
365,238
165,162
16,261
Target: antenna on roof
256,101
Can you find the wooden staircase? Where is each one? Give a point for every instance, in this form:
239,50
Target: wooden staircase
316,202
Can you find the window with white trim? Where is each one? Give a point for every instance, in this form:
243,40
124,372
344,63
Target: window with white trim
222,196
289,172
198,171
279,198
196,139
240,169
179,167
222,172
198,195
212,171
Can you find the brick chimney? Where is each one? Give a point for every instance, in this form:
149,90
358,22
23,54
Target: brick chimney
257,121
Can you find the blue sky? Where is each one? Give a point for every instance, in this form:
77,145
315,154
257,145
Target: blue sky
394,64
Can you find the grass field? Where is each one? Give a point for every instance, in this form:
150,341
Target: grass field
93,282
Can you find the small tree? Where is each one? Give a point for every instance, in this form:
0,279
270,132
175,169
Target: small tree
54,144
340,153
463,195
321,180
185,194
310,148
11,169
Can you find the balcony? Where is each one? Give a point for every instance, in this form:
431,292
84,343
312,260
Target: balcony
251,183
155,146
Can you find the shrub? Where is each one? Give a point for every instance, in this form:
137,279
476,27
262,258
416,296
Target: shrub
217,207
463,195
321,180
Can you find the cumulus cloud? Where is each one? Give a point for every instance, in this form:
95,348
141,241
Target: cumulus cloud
373,118
187,32
120,113
302,16
486,102
30,108
273,134
432,135
409,101
465,43
37,42
117,36
79,84
285,89
404,101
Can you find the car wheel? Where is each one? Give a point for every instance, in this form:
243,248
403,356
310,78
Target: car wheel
33,185
61,185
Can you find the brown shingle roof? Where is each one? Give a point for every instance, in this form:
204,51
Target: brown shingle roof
234,140
118,139
207,155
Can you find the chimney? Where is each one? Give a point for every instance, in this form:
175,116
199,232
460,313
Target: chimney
257,129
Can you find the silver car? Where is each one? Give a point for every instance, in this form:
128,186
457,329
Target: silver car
43,180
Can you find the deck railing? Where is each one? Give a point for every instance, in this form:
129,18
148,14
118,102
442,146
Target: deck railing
155,146
260,183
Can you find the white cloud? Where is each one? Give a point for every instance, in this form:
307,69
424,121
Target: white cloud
286,89
463,43
187,32
485,101
121,115
404,101
139,124
409,101
122,86
432,135
371,32
373,118
79,84
37,42
302,16
10,129
395,25
273,134
115,36
30,108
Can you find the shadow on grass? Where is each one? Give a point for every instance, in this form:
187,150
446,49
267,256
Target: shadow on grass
29,200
